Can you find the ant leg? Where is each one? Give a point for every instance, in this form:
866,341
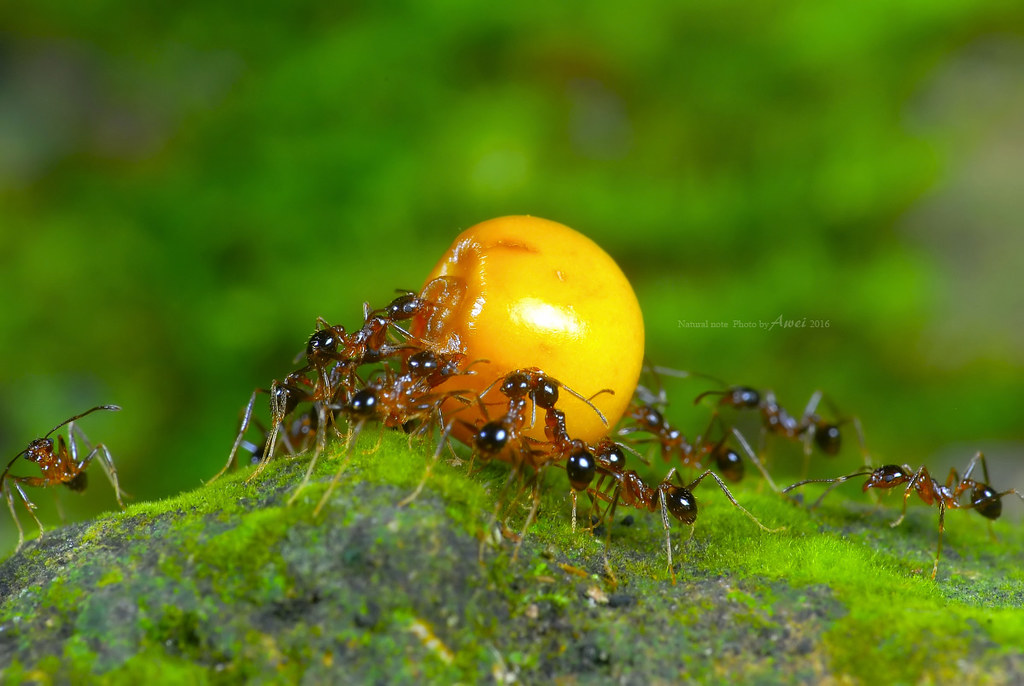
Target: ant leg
668,532
246,417
321,443
753,458
978,457
938,549
812,404
810,427
9,497
721,484
29,505
430,466
572,494
277,413
906,494
610,512
107,463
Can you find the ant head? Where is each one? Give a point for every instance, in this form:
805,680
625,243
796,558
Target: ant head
650,418
39,449
423,363
363,403
516,385
323,342
828,438
887,476
742,396
452,365
79,482
729,463
611,453
404,307
490,438
986,501
580,468
681,504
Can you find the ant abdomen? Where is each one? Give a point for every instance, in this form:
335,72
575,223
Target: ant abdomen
363,403
546,393
580,469
491,438
81,481
986,501
681,504
729,464
828,439
423,363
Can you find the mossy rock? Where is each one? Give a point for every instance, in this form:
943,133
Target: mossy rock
230,583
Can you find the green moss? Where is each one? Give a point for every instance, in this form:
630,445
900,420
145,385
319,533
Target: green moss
228,582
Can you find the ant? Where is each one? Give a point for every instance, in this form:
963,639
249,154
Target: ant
649,419
542,389
60,465
335,356
505,438
983,498
809,427
628,487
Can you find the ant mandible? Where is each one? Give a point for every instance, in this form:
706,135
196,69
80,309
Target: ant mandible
58,465
983,498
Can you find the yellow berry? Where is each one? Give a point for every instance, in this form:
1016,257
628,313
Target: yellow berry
535,293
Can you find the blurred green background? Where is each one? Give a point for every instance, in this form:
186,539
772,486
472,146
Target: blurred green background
182,192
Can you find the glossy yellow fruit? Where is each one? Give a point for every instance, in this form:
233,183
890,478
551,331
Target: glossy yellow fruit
535,293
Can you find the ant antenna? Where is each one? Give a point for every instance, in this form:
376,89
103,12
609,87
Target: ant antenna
832,484
115,408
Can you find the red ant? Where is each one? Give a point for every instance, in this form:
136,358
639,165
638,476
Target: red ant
628,487
983,498
58,466
809,427
504,438
334,356
542,389
491,439
649,419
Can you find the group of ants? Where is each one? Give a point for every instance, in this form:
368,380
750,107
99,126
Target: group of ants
382,373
